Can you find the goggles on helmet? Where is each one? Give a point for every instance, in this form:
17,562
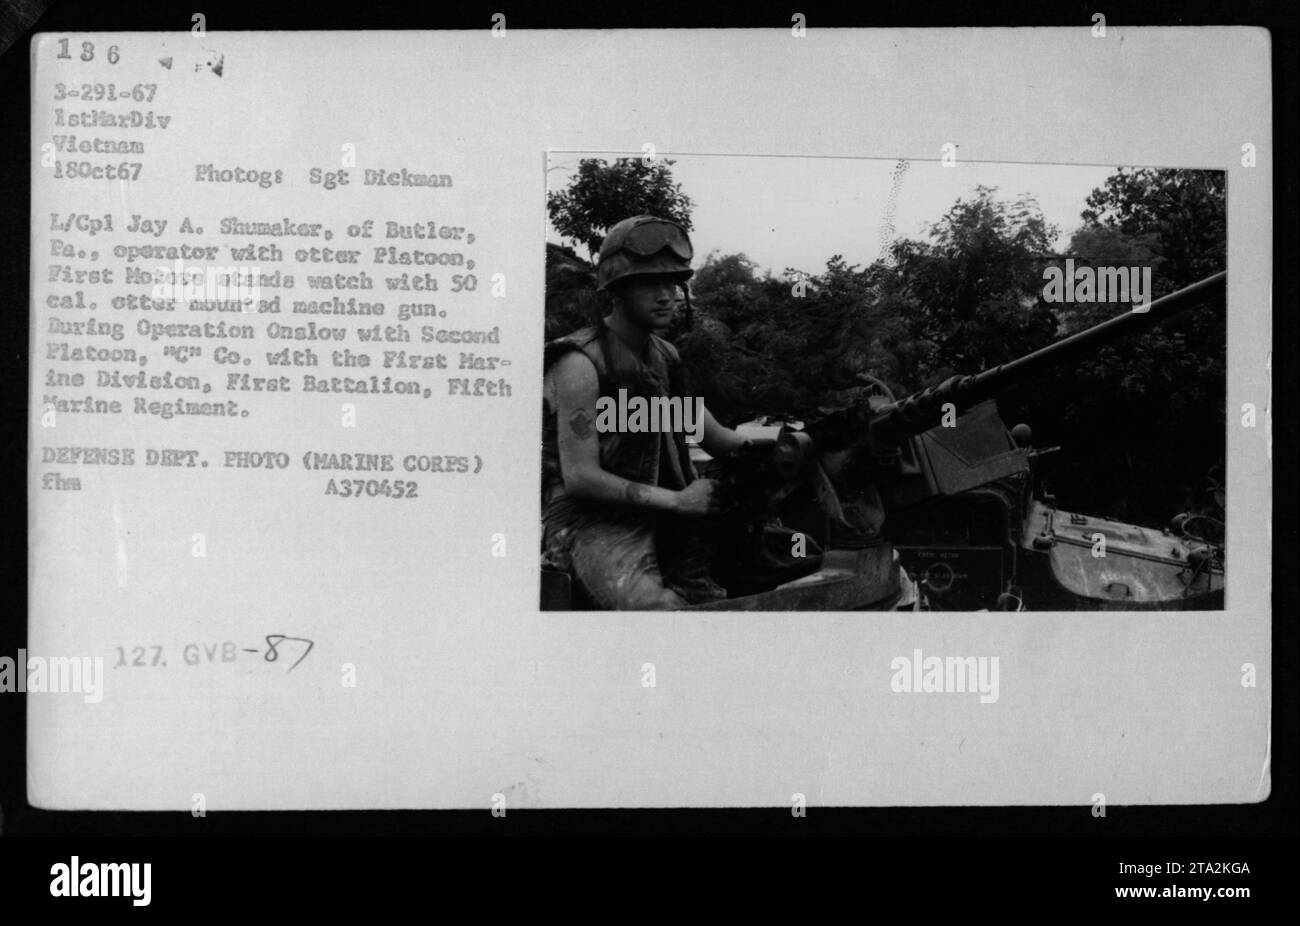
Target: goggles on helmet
651,236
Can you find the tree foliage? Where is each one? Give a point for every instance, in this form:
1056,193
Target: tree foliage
1142,422
602,195
572,301
1180,211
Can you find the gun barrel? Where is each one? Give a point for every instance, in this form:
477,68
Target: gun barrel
920,411
991,381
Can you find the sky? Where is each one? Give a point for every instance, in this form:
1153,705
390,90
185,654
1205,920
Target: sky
798,211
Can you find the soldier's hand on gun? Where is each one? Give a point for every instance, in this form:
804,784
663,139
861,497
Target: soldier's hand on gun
699,499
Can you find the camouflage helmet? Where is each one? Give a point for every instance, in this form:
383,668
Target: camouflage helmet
644,245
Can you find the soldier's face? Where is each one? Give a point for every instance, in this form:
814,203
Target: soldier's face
650,301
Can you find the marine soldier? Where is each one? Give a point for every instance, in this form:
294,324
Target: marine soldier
618,506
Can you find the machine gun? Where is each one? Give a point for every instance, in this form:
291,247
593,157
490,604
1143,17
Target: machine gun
921,411
938,476
885,428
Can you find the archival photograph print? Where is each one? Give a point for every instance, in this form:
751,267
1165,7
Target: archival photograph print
824,384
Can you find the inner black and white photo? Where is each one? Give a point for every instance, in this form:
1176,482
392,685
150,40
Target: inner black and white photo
822,384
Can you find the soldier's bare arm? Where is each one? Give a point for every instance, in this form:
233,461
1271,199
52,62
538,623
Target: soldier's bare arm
576,389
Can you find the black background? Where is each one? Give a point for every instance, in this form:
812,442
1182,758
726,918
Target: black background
290,874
